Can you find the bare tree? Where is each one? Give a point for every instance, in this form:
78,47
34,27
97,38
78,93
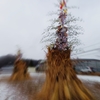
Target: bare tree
49,34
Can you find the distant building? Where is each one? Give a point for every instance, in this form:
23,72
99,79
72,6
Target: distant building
78,64
94,64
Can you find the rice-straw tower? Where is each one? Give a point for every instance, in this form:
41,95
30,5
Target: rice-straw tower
20,69
61,81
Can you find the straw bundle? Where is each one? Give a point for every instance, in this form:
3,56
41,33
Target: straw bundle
20,71
61,81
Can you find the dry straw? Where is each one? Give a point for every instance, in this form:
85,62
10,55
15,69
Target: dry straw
61,81
20,72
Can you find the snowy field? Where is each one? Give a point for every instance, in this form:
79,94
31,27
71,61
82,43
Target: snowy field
26,90
81,77
89,78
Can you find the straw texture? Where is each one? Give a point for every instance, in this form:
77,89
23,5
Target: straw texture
61,81
20,71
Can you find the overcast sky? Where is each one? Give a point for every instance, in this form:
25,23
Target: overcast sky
22,23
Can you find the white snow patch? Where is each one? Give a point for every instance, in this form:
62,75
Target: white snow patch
89,78
8,92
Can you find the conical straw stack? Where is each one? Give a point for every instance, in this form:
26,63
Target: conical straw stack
20,71
61,81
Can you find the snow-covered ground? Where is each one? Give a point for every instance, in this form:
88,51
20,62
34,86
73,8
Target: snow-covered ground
89,78
81,77
8,92
11,92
